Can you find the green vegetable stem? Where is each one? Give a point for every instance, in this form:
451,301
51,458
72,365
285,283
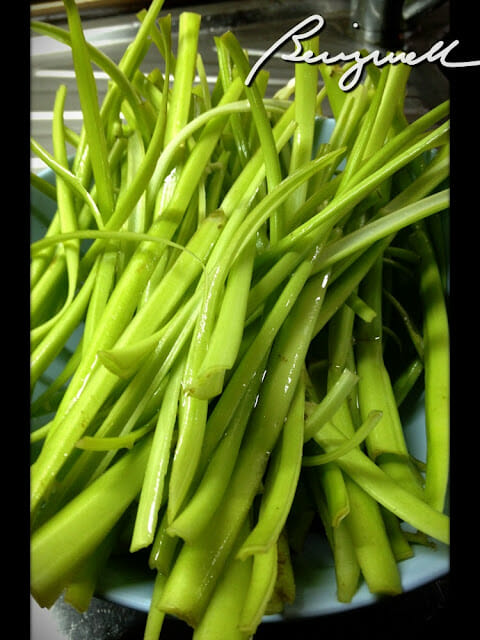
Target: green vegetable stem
235,303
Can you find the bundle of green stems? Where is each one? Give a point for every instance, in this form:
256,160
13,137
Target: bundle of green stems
248,310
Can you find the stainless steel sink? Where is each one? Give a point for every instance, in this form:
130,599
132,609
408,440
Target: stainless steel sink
257,25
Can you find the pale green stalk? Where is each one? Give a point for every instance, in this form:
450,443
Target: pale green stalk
306,83
92,121
126,361
118,304
260,590
344,202
122,83
280,482
404,383
192,418
225,74
251,363
133,405
379,571
155,617
347,569
437,372
137,220
151,494
70,178
386,444
360,307
356,440
214,479
102,289
391,102
51,345
203,561
330,403
222,616
193,409
331,479
261,289
163,548
124,304
356,154
179,107
385,490
81,588
228,331
382,227
114,443
372,546
65,201
43,186
263,127
61,545
413,332
346,281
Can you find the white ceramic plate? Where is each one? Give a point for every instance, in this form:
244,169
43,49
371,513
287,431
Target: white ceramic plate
128,581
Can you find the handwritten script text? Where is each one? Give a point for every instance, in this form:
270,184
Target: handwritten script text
311,26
